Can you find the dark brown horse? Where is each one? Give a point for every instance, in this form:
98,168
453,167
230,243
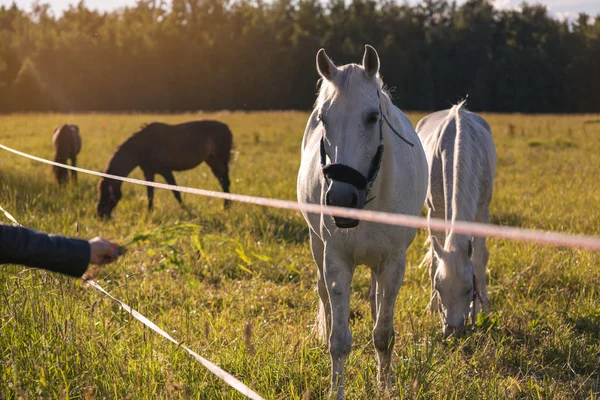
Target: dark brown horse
67,144
161,149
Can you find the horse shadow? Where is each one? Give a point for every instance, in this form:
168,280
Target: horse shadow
292,230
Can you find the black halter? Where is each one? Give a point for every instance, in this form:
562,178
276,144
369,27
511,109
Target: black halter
344,173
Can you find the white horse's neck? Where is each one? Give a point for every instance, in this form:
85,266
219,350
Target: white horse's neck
463,191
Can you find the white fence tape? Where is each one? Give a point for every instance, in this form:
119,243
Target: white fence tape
220,373
223,375
468,228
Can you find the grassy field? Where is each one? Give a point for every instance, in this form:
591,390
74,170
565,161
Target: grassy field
238,287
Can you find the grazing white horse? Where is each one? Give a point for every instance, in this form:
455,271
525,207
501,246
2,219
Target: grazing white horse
359,149
462,162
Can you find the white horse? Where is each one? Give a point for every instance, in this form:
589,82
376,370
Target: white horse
344,164
462,162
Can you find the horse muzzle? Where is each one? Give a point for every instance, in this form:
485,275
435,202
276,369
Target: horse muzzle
343,194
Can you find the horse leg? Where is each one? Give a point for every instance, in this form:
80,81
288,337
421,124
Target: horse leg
221,171
168,175
338,279
61,174
441,236
373,296
324,313
73,172
149,176
480,259
389,279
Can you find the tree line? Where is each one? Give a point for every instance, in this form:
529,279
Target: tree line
253,55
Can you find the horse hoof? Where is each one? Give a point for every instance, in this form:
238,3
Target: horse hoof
337,394
386,381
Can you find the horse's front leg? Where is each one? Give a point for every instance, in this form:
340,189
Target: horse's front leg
389,276
338,278
170,179
324,313
480,259
373,296
434,304
149,176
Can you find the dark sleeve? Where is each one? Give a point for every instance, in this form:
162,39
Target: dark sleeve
36,249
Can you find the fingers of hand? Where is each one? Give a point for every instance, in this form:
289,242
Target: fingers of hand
113,253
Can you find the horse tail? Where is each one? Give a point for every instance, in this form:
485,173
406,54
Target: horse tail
456,111
228,145
62,144
59,172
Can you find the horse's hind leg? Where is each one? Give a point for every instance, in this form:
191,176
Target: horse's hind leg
480,258
61,174
168,175
221,171
389,279
73,172
324,313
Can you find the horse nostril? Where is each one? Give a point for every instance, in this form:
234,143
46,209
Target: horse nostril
327,199
354,200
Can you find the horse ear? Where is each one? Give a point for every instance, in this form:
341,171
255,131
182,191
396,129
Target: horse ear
437,247
325,66
370,61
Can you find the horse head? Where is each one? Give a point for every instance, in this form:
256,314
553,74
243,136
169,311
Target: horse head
110,194
349,121
454,282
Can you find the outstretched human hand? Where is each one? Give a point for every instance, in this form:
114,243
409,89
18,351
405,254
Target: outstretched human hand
103,251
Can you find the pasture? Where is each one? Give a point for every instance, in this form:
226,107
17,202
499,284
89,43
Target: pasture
238,286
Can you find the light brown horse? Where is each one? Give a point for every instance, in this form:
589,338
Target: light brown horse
161,149
67,144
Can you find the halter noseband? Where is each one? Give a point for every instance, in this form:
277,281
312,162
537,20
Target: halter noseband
346,174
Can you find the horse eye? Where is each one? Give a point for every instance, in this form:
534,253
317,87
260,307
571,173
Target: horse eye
373,118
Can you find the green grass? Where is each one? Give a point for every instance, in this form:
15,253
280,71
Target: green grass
238,287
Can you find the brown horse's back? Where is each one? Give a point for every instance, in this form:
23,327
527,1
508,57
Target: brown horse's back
184,146
66,141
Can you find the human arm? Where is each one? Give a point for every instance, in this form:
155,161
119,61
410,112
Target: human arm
56,253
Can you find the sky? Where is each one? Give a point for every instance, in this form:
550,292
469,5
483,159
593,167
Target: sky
559,8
